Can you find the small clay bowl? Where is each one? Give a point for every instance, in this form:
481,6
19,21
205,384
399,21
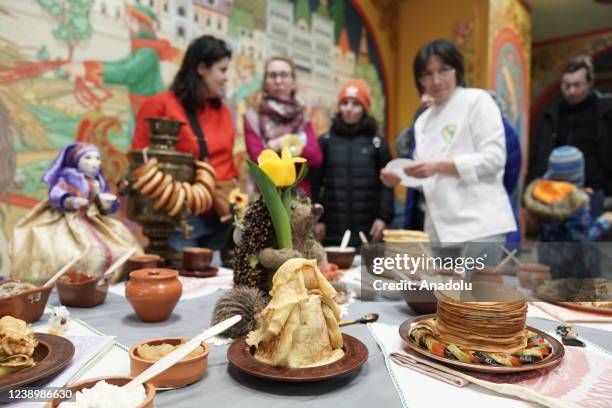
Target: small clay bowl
532,275
196,259
421,301
342,258
114,380
28,305
80,290
487,274
179,375
145,261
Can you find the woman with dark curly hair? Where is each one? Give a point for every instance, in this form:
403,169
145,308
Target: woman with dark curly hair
195,98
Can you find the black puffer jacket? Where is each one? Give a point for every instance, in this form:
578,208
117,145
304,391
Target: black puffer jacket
347,183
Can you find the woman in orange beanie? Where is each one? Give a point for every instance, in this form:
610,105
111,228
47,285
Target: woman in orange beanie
347,183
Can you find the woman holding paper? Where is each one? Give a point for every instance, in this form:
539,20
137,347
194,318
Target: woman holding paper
460,153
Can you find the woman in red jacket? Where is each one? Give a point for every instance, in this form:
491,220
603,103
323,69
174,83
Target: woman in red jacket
280,114
195,98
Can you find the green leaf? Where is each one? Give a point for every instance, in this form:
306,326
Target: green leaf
276,208
301,175
287,201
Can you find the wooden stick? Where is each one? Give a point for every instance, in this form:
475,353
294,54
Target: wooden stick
119,262
62,271
505,260
520,264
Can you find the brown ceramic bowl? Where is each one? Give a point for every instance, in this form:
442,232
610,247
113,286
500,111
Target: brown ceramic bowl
532,275
342,258
196,259
179,375
487,274
114,380
80,290
28,305
141,262
423,301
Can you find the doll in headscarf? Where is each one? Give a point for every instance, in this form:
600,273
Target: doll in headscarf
75,180
72,222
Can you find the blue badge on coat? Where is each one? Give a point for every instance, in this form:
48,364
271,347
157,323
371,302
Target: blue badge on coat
448,133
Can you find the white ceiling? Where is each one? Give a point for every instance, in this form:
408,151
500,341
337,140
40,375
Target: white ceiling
559,18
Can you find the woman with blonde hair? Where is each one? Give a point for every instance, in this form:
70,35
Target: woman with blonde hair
280,119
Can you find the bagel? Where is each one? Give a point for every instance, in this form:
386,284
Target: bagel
205,178
143,169
161,186
199,198
188,194
163,200
174,196
154,182
205,166
180,200
145,178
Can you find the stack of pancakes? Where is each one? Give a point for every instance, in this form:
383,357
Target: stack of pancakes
496,325
415,244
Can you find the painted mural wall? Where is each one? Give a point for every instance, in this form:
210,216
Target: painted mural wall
69,71
509,68
465,22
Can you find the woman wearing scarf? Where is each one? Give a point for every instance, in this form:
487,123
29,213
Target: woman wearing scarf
72,222
280,119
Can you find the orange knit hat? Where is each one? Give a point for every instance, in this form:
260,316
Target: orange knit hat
357,89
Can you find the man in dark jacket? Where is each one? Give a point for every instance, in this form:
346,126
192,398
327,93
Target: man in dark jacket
347,183
582,119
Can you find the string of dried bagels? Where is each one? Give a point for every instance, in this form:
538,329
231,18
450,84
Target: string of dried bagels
171,195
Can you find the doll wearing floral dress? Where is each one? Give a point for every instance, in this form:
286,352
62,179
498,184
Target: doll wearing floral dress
73,222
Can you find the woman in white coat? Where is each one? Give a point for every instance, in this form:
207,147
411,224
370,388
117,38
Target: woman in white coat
460,154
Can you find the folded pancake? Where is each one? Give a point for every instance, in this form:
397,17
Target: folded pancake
299,327
17,344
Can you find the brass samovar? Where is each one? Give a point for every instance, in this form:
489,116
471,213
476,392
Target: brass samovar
157,226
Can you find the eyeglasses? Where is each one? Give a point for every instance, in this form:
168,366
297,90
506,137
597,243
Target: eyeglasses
444,73
284,75
566,86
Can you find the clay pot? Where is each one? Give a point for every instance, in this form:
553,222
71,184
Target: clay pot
196,259
532,275
183,373
145,261
487,274
153,293
80,290
114,380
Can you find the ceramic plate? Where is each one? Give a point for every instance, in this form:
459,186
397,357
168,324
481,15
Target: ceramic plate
51,355
590,309
397,166
553,359
355,355
207,273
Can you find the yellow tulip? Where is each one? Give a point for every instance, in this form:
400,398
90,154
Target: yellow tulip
281,170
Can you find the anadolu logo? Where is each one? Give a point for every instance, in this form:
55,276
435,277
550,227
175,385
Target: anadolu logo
448,133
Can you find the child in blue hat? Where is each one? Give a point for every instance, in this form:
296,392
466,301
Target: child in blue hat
562,208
